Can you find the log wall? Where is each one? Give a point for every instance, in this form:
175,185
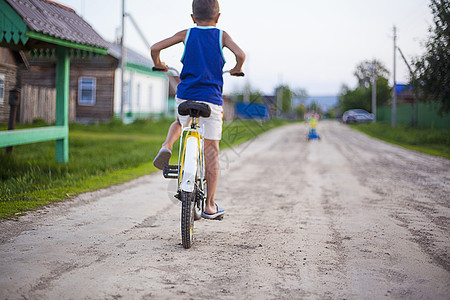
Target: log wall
40,103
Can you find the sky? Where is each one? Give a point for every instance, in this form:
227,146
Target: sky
314,45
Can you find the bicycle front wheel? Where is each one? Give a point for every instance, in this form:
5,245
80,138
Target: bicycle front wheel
187,218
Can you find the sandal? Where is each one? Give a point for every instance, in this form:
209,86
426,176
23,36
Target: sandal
162,159
220,212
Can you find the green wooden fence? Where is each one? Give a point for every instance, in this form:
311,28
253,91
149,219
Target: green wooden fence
424,115
60,132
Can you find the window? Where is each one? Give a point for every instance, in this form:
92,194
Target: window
86,90
2,88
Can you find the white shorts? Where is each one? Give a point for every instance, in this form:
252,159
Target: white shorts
212,126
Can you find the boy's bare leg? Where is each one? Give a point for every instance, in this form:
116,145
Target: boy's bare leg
172,135
212,173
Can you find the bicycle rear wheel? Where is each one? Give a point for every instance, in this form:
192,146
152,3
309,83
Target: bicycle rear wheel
187,218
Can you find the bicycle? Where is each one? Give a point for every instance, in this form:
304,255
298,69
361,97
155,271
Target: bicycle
190,170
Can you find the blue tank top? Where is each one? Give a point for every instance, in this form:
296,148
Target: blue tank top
203,61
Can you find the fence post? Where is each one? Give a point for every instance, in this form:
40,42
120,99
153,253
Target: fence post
62,102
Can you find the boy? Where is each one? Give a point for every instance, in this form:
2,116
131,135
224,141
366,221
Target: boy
201,80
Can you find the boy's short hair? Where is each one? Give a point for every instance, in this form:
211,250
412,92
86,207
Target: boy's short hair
205,10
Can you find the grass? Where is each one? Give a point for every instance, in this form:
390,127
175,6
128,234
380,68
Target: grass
426,140
99,156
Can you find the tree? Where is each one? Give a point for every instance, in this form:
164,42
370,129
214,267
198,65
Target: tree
361,96
300,93
330,114
286,98
367,69
254,96
432,79
351,99
300,111
315,108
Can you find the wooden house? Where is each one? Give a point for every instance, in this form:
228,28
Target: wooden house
8,80
91,87
39,39
405,93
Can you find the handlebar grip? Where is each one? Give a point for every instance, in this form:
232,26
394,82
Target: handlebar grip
158,69
238,74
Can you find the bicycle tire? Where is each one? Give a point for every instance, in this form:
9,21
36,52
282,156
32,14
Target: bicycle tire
187,218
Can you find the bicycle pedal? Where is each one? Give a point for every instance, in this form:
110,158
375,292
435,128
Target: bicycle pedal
170,171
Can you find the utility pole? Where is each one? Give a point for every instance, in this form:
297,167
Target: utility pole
247,93
123,59
374,91
394,92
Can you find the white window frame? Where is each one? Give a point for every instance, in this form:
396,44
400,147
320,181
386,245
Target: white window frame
83,85
2,88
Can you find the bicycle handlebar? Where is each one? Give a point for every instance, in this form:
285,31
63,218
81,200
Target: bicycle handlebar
158,69
242,74
164,70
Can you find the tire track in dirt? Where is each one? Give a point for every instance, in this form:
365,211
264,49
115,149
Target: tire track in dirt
418,186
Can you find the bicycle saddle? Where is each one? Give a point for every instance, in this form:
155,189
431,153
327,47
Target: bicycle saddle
194,109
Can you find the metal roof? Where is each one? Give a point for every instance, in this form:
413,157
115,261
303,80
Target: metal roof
56,20
133,57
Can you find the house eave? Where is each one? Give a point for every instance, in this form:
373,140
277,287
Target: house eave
60,42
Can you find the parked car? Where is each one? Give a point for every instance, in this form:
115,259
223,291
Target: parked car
357,116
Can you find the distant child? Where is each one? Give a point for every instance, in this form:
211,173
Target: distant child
312,132
201,80
313,121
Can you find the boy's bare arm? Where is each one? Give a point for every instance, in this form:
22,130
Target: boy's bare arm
156,48
237,51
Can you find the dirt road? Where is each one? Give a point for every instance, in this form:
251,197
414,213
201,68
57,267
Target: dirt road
345,217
